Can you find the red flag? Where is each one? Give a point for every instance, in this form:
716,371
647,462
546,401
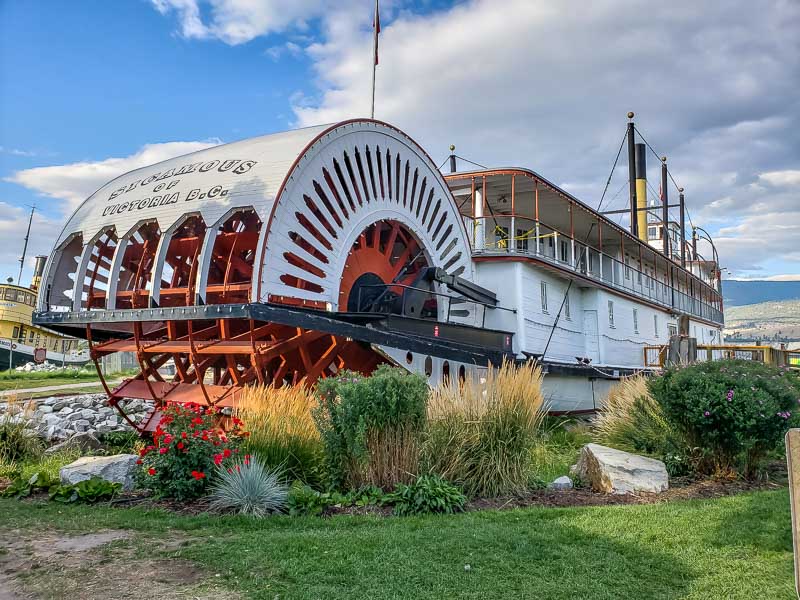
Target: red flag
376,25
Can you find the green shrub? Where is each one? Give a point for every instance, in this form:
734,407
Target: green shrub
370,426
187,446
23,486
734,411
248,488
481,434
120,442
283,434
428,494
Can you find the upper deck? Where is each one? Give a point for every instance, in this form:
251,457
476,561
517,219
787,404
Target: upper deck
516,214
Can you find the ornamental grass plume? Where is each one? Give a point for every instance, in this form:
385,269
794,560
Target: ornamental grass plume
631,420
249,488
282,430
481,432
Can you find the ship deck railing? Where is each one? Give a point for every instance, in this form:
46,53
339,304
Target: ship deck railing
656,356
489,237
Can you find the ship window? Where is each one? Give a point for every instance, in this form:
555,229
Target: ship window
611,313
567,315
652,233
16,332
563,250
501,237
544,296
9,294
428,366
672,330
446,373
30,336
655,325
522,240
635,321
627,269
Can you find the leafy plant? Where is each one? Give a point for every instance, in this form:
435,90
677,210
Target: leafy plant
187,445
427,494
22,487
282,431
735,411
249,488
481,434
89,490
304,500
371,426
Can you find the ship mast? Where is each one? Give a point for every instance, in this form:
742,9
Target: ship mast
25,247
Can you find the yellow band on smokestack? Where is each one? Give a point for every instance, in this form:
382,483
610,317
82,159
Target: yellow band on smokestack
641,191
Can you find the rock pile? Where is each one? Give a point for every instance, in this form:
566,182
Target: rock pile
59,418
46,367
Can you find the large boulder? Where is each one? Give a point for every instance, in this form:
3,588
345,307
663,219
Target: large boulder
119,468
617,472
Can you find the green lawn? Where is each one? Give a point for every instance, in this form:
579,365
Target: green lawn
11,380
735,547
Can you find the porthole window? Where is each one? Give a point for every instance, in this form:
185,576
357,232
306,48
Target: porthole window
462,374
409,358
428,366
446,372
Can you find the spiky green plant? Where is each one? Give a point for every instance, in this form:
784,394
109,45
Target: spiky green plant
249,488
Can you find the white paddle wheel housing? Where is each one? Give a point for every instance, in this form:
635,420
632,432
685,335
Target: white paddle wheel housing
168,262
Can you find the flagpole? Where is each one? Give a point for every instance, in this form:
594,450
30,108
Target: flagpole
375,29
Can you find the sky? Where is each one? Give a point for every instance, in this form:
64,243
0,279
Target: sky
92,89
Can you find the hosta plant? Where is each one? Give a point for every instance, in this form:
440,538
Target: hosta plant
247,487
427,494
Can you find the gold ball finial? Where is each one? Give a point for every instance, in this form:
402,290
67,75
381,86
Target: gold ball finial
630,115
452,148
663,159
680,190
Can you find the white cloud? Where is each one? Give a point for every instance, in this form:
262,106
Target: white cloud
44,230
239,21
790,177
17,151
77,181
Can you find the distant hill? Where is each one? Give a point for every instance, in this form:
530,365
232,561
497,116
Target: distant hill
739,293
766,321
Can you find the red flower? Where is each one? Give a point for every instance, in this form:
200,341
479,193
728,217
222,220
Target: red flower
197,421
218,459
151,471
139,461
180,446
226,453
198,475
143,451
162,450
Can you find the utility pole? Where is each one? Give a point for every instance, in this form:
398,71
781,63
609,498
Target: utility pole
25,247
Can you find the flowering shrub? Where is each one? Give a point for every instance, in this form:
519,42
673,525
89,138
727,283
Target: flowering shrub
187,446
370,426
733,412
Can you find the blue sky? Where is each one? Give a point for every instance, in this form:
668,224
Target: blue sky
90,88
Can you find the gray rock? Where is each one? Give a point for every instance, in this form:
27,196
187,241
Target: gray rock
617,472
66,410
80,441
45,408
82,425
59,404
89,414
561,483
119,468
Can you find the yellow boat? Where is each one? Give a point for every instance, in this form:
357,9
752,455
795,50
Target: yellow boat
20,339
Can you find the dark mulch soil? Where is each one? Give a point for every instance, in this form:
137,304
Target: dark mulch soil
680,489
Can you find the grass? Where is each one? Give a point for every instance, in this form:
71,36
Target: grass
481,433
728,548
282,430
